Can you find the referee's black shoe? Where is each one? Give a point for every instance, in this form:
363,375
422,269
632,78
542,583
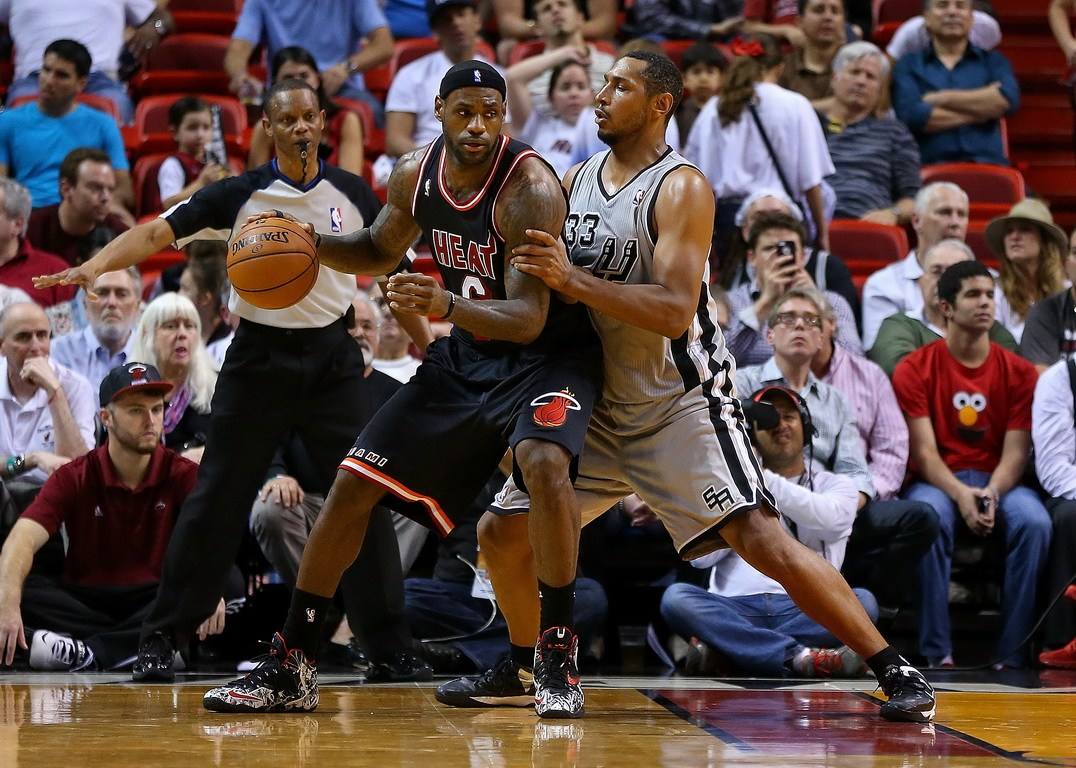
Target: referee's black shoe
911,697
156,660
506,684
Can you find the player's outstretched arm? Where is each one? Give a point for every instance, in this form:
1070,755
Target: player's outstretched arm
379,248
531,198
684,217
128,249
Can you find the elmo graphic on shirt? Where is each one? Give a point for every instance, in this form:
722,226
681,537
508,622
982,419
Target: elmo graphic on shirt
971,424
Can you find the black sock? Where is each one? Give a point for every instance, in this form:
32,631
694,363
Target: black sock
885,658
523,655
306,615
558,604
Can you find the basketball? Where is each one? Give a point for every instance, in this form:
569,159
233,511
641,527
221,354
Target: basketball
272,263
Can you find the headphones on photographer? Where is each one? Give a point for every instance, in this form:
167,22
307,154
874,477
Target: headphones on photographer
758,409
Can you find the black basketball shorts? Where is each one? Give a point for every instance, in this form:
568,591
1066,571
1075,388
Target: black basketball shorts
435,443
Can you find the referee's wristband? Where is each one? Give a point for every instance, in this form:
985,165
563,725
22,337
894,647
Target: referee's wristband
451,306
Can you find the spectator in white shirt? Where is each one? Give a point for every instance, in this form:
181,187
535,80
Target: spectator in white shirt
105,342
727,142
912,35
394,358
941,213
1053,434
46,410
409,118
550,131
747,616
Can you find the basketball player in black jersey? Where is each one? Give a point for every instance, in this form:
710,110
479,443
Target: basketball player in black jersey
521,370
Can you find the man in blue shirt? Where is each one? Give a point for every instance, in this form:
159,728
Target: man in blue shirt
953,94
36,137
330,29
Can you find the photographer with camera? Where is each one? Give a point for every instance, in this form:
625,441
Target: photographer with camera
776,254
968,406
746,616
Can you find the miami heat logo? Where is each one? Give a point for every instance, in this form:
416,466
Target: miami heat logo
137,371
551,409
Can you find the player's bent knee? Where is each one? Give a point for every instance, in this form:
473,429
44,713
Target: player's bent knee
353,492
542,462
503,535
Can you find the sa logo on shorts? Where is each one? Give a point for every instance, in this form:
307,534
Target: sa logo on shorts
551,409
715,498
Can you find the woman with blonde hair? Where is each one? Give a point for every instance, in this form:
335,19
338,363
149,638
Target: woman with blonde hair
169,337
756,134
1030,247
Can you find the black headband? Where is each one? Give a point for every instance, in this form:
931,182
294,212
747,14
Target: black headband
472,74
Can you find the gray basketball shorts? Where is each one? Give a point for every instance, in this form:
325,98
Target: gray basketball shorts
695,468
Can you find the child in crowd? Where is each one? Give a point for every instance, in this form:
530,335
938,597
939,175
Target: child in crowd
189,169
703,67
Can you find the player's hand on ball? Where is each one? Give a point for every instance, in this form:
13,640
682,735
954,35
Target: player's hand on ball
83,275
543,257
416,294
278,214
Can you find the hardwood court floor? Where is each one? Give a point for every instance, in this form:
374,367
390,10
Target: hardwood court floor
86,721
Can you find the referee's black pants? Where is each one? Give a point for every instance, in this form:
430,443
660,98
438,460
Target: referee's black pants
274,381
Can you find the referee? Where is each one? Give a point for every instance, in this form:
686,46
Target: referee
294,369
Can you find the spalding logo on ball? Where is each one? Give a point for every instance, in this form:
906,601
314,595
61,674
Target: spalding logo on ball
272,263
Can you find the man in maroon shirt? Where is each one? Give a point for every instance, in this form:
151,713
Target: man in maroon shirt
19,261
118,504
83,221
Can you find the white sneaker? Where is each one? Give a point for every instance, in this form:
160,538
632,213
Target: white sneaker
51,652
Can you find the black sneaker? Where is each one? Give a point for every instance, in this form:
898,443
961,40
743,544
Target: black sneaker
403,667
504,685
156,660
283,681
911,697
557,693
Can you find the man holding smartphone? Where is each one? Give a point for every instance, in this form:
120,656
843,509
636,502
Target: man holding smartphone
968,405
776,263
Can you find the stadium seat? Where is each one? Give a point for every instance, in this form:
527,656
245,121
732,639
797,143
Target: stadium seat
895,10
1036,63
1040,127
866,247
144,182
378,79
674,49
92,100
883,33
991,189
189,51
976,240
151,114
373,138
206,22
1054,183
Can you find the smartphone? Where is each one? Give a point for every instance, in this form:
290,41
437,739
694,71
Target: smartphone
785,251
984,504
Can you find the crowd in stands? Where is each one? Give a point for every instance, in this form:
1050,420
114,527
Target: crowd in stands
903,413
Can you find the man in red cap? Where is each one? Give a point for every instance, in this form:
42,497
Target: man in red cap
118,504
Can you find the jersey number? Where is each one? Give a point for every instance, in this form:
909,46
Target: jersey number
473,288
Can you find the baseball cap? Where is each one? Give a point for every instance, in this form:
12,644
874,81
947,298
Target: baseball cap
130,377
433,7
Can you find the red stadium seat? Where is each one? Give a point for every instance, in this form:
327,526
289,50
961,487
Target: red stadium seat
1036,63
100,103
866,247
151,114
189,51
206,22
378,79
1039,127
991,188
883,33
896,10
674,49
144,182
373,138
1054,183
976,240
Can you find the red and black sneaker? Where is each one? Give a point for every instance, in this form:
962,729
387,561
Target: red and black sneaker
557,693
283,681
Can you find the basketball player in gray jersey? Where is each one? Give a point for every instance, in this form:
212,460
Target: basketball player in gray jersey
669,426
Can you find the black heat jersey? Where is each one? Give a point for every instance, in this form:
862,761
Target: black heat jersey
470,251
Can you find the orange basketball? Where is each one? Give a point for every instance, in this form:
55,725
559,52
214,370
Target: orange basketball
272,263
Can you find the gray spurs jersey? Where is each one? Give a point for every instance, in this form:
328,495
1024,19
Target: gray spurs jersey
613,236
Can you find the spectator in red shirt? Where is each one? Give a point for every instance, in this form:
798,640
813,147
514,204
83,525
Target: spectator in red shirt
83,220
968,405
20,261
774,17
118,505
